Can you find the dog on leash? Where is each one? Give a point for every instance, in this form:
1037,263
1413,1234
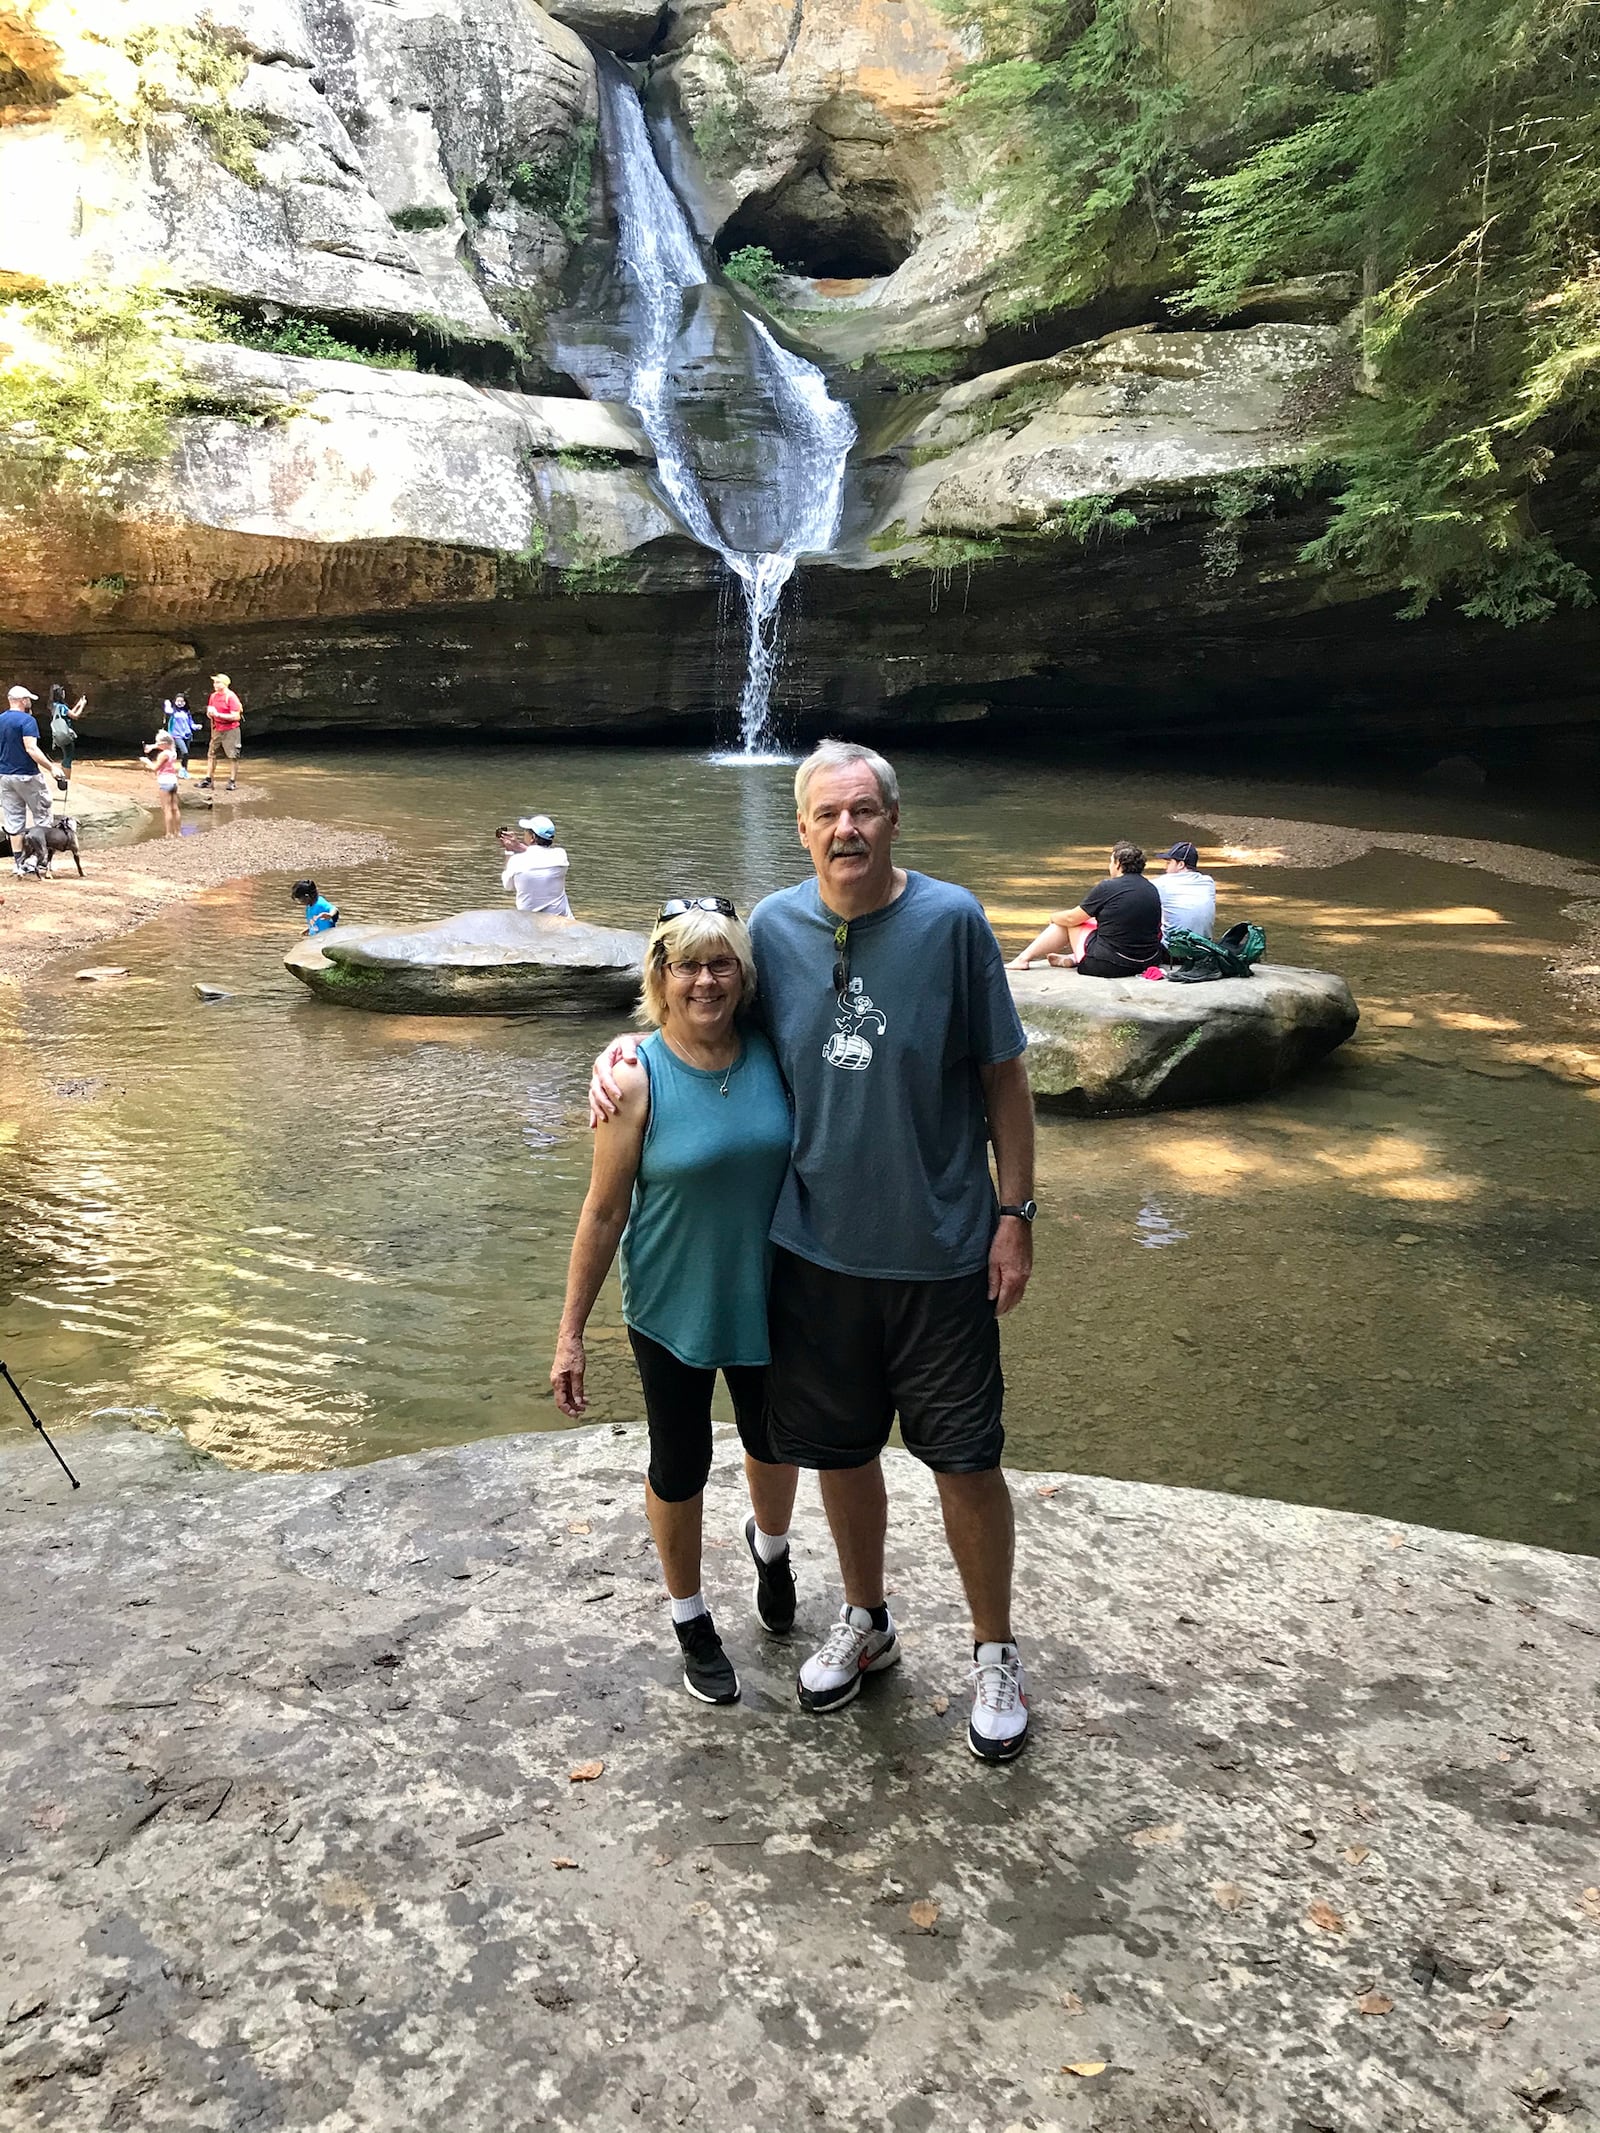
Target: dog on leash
41,844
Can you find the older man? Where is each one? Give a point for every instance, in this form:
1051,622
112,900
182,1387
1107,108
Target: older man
887,1003
25,770
226,714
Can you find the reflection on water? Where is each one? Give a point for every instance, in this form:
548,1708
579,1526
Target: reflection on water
312,1236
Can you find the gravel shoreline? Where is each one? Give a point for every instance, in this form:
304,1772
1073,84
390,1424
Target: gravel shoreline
124,886
1278,840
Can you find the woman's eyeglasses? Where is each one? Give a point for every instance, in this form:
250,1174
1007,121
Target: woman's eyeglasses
720,967
677,906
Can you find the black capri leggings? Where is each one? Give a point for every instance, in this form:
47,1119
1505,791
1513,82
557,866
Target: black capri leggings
677,1405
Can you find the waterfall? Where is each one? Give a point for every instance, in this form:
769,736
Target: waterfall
801,485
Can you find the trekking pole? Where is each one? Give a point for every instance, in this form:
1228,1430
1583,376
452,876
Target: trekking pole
38,1425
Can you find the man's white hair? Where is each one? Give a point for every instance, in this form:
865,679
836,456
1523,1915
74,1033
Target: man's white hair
840,755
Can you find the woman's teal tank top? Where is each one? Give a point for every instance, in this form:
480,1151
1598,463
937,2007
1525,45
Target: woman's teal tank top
695,1255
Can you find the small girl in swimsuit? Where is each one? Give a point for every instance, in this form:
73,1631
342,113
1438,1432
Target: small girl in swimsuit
162,757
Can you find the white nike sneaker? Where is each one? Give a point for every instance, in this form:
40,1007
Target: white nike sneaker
999,1726
853,1649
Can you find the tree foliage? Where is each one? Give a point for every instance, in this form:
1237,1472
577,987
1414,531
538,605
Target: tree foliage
756,269
1458,175
1083,121
87,379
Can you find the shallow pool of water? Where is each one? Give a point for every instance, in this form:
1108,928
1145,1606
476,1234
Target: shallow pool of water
310,1236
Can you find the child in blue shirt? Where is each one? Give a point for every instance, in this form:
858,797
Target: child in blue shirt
320,914
181,726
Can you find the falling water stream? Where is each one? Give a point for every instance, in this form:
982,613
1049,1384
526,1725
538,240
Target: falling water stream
662,262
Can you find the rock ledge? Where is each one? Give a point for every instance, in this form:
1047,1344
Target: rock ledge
1130,1044
302,1835
475,963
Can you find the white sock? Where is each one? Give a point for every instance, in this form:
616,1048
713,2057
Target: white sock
769,1546
686,1610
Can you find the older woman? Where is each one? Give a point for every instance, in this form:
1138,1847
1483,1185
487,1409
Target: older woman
686,1176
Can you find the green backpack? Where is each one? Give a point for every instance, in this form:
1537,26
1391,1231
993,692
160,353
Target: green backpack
1198,961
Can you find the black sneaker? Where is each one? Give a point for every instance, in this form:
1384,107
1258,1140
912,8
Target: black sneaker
205,784
707,1669
774,1587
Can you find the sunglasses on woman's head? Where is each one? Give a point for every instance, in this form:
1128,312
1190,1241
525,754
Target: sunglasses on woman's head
677,906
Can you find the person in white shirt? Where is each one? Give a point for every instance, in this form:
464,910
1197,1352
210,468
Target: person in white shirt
536,867
1188,897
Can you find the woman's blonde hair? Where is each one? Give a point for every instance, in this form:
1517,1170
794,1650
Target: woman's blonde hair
692,933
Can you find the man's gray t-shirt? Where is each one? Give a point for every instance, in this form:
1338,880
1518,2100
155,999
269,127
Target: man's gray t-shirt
889,1177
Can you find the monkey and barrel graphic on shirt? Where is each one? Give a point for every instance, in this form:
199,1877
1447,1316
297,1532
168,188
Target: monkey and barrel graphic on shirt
850,1046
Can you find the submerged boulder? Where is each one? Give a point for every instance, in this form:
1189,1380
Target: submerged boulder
476,963
1127,1044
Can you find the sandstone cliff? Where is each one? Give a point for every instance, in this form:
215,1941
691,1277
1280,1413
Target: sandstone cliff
1114,523
405,174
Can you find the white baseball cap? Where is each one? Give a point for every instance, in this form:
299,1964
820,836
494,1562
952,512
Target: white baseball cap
16,689
539,826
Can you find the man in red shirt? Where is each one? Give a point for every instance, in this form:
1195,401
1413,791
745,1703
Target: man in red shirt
225,712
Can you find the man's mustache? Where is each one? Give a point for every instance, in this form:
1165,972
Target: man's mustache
853,848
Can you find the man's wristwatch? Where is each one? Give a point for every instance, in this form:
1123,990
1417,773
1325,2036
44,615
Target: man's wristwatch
1024,1213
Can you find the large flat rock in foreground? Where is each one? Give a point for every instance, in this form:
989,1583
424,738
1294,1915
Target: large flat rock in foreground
1137,1044
475,963
296,1833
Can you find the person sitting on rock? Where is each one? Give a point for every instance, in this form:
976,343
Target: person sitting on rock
1114,933
1188,897
536,867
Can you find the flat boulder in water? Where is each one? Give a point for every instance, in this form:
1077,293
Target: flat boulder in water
1129,1044
476,963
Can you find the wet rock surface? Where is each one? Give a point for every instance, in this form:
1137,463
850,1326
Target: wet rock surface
476,963
371,1798
1134,1044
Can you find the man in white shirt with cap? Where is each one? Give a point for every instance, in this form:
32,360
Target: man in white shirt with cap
1188,897
536,867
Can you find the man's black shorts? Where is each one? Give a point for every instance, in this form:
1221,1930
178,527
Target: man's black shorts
848,1353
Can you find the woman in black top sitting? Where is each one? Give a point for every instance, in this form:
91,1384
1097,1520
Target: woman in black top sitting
1114,933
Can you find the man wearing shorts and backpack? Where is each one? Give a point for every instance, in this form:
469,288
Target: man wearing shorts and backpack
226,713
885,997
